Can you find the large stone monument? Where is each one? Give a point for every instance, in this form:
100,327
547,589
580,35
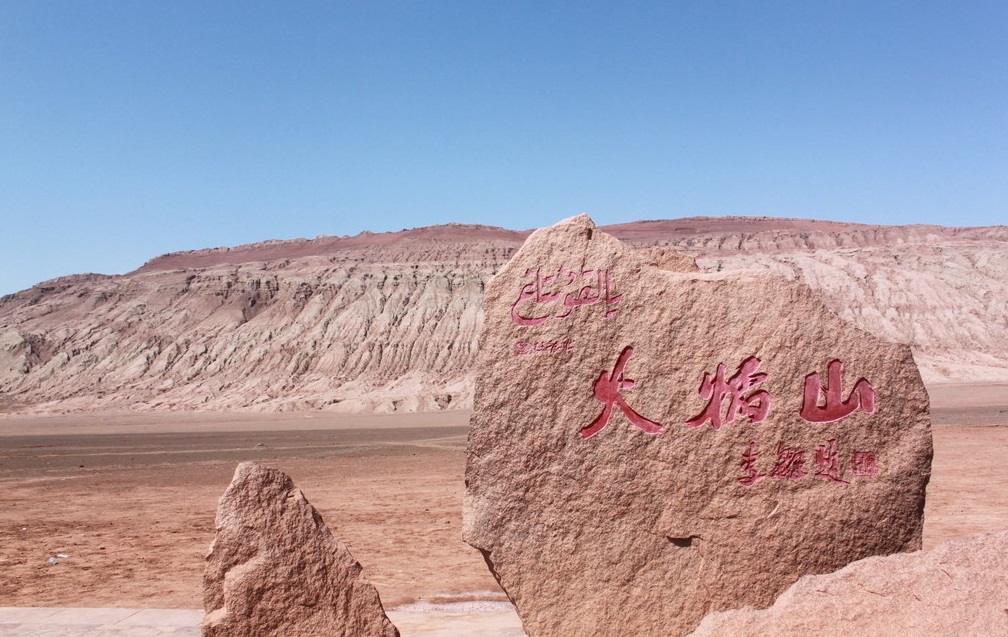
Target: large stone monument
650,445
275,570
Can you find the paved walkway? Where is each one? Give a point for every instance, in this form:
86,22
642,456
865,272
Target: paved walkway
495,620
98,622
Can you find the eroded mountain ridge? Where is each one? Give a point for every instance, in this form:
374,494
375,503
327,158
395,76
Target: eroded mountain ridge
391,322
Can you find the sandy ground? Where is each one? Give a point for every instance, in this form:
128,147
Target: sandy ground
131,498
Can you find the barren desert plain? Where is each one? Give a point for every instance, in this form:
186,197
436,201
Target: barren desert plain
126,402
131,497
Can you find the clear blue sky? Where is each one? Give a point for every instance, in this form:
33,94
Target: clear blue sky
133,128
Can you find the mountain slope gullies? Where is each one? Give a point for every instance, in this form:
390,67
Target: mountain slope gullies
391,322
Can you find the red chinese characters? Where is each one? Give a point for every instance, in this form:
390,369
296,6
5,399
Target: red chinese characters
607,390
827,460
743,401
740,397
752,475
556,296
865,464
790,464
825,403
555,346
821,403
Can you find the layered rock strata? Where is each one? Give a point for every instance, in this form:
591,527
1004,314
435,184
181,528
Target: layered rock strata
391,322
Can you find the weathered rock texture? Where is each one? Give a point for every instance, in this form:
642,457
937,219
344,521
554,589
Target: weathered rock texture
371,323
275,570
391,322
650,445
958,588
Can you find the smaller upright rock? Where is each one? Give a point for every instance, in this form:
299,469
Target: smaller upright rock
275,569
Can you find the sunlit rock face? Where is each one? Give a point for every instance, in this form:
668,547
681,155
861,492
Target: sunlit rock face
276,570
650,443
958,588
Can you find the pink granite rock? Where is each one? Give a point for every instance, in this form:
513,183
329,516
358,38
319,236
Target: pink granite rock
959,588
275,569
650,445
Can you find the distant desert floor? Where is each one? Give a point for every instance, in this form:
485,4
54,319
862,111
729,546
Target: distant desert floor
130,498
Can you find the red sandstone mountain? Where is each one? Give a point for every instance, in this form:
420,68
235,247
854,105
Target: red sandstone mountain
391,322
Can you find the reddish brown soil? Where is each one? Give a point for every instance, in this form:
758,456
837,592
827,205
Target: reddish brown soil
131,499
138,516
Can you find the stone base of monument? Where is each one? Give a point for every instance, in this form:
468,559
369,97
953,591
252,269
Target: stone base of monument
958,588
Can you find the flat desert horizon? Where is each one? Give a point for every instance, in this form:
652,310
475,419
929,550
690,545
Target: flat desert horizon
130,498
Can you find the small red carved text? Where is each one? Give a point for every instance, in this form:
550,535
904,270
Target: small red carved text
827,460
565,346
864,463
748,464
790,464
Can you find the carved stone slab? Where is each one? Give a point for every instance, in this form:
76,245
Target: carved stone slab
650,445
275,570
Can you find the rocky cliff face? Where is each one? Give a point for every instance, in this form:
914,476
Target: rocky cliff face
391,322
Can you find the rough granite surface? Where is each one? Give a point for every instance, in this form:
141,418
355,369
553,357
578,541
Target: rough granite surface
275,570
958,588
650,444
